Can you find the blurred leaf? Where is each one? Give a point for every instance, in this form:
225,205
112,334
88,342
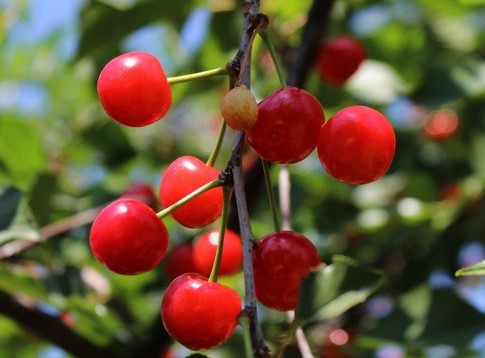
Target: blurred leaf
20,281
21,150
104,26
472,2
111,141
9,202
473,270
334,289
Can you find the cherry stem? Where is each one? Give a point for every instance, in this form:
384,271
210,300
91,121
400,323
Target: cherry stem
197,75
274,57
222,231
271,197
210,185
218,145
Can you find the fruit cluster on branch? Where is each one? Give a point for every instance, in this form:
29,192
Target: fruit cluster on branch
355,146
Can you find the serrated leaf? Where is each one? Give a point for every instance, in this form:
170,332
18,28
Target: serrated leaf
332,290
473,270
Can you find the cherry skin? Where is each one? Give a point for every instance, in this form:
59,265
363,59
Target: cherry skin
128,237
183,176
339,58
357,145
239,108
205,248
199,314
288,124
441,125
133,89
280,261
142,192
180,260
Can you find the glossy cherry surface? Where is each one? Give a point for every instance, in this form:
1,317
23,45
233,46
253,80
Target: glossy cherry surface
133,89
205,247
199,314
339,58
281,260
288,124
357,145
180,260
128,237
183,176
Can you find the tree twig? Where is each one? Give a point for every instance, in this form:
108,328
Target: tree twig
50,327
240,68
313,31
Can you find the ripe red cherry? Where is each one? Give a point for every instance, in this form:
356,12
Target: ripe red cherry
280,261
183,176
205,248
134,90
179,261
128,237
142,192
199,314
339,58
288,124
357,145
441,125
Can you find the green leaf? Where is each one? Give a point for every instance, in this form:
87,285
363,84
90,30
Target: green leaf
473,270
9,202
332,290
103,26
21,151
21,281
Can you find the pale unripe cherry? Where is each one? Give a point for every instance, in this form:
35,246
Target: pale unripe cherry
239,108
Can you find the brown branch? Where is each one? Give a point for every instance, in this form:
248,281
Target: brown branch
49,231
50,328
313,31
240,68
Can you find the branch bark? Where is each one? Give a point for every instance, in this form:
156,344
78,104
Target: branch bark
240,67
51,328
313,31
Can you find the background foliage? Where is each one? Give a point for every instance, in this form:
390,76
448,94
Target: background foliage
60,156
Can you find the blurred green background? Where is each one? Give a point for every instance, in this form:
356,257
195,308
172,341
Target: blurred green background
60,156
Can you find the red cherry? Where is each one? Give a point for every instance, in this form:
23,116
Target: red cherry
280,261
357,145
128,237
183,176
199,314
441,125
205,248
142,192
288,124
134,90
180,261
339,58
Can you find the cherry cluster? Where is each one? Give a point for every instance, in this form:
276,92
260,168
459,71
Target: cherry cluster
355,146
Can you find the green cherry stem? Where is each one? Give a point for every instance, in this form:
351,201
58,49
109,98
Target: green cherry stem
197,75
274,57
218,145
220,242
271,197
210,185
